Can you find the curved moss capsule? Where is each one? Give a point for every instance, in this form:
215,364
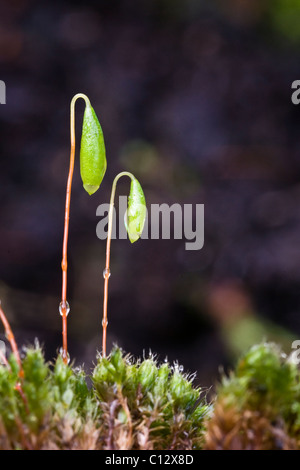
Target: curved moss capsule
136,211
92,152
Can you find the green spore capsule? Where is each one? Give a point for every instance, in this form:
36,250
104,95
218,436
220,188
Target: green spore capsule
92,152
136,212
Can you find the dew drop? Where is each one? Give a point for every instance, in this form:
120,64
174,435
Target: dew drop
64,355
106,273
64,308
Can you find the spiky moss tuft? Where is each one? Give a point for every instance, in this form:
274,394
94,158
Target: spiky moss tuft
52,397
257,406
148,406
130,405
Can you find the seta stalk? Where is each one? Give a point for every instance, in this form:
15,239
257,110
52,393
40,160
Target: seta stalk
92,168
11,338
134,223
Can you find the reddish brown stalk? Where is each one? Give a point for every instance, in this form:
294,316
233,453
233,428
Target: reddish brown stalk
106,272
104,321
12,341
14,347
18,386
64,307
106,275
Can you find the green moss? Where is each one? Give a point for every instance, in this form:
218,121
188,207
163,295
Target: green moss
141,404
264,386
130,405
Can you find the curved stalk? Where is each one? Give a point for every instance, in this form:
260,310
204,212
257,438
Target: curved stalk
64,306
11,339
106,272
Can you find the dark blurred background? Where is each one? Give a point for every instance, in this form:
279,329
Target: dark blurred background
194,97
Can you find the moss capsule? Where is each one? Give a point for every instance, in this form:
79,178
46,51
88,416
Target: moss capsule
92,152
136,212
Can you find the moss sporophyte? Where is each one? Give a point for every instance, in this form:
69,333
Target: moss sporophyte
134,222
92,169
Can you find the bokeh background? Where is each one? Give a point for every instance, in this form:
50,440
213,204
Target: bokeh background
194,97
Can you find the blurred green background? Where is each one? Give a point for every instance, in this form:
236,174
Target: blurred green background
194,97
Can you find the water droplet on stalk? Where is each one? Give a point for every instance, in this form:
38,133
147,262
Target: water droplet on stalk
64,308
106,273
64,355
